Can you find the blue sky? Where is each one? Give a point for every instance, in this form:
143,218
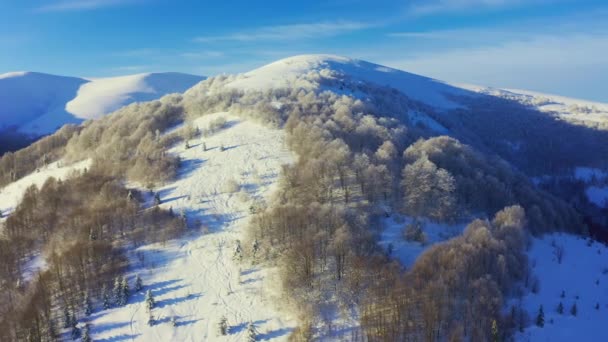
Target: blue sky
555,46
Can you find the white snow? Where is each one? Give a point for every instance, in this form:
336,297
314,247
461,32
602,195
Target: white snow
38,104
418,117
566,108
11,195
408,251
598,195
289,72
582,266
196,278
105,95
587,174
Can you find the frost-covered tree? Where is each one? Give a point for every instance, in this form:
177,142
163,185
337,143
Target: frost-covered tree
86,303
428,190
86,335
149,301
105,297
138,283
223,326
125,292
67,317
117,291
540,317
251,332
151,320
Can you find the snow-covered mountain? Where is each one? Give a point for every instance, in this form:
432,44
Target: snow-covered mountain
37,104
196,278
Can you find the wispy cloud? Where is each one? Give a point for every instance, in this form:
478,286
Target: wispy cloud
289,32
202,54
81,5
428,7
571,64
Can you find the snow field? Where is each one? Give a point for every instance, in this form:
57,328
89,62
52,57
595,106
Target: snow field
196,279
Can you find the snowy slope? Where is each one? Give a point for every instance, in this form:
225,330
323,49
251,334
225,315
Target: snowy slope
38,104
11,195
288,73
195,278
565,107
583,273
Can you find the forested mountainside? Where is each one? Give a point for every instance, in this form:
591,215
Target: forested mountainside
367,146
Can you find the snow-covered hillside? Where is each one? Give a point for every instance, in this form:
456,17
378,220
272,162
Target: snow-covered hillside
196,279
567,108
580,278
11,195
38,104
288,73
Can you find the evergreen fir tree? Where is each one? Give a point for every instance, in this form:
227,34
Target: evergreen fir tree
151,319
563,295
157,200
174,321
251,333
597,306
117,292
86,337
540,318
67,320
574,309
223,326
495,333
88,307
107,302
560,308
149,301
124,288
138,284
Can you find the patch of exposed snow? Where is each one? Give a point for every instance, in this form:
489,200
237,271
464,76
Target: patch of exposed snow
583,273
598,195
408,251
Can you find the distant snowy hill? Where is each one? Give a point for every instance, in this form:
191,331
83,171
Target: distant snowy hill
38,104
573,110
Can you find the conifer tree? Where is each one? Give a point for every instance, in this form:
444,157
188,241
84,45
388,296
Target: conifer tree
88,307
107,302
149,301
124,288
574,309
251,333
151,320
223,326
138,284
67,320
86,337
560,308
540,318
117,292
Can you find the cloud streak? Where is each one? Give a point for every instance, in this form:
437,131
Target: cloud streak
81,5
429,7
289,32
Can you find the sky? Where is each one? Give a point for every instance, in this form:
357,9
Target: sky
552,46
